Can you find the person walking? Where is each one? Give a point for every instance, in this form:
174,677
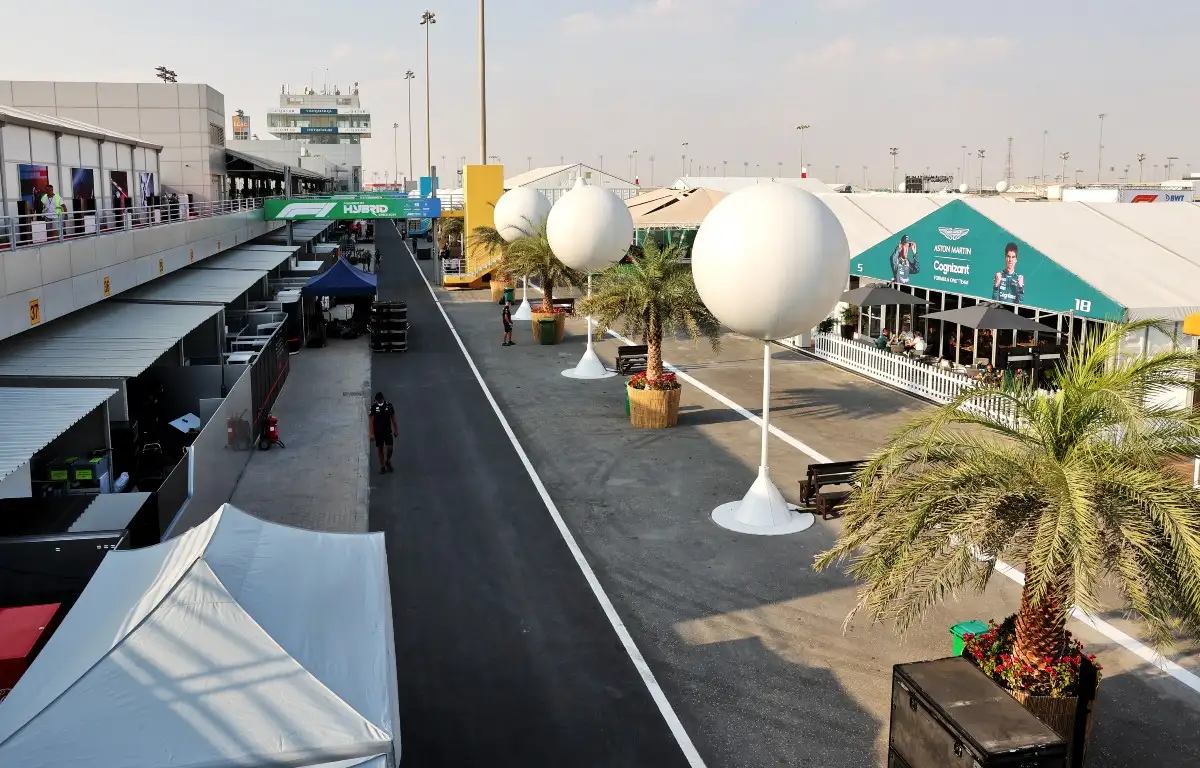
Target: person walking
382,428
506,316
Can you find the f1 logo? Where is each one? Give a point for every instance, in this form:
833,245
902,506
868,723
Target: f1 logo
1144,198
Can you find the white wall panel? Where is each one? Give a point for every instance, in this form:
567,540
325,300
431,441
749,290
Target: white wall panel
89,155
69,147
16,143
41,144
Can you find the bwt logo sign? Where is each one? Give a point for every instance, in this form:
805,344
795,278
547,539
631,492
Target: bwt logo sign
375,210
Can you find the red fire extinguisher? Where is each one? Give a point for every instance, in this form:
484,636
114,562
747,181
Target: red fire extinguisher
271,435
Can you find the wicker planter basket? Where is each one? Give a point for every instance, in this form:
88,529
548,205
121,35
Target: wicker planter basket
1059,713
560,325
653,408
498,285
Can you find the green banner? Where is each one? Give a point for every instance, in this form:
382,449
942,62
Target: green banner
956,249
360,207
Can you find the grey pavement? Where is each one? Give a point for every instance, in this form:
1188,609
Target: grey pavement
746,638
319,481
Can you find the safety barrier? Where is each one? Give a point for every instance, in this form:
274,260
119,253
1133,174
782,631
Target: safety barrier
32,230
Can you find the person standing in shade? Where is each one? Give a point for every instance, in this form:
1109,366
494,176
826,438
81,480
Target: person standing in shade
383,428
506,316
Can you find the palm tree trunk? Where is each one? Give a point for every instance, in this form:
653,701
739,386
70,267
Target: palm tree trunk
1041,630
654,362
547,294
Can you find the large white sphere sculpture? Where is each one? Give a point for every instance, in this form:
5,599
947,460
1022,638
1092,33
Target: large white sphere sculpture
1002,186
520,212
770,261
589,228
963,189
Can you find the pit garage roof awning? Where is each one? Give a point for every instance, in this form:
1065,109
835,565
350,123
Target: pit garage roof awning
33,417
111,340
246,259
240,162
197,286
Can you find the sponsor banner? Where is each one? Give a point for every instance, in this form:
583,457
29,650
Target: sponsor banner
956,249
1153,195
241,127
317,111
359,207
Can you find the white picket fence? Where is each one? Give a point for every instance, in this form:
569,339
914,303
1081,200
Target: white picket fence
902,372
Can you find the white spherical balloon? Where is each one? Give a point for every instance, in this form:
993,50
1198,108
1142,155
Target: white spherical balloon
963,189
770,261
589,228
520,212
1002,186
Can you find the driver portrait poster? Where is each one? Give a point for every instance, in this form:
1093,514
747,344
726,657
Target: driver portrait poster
958,250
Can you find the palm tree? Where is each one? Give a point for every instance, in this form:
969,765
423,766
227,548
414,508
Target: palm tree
1077,487
450,228
653,295
532,256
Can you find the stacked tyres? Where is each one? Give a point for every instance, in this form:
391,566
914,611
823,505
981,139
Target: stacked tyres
389,326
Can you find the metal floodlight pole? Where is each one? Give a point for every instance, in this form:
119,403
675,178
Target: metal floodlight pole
1170,162
1064,156
801,128
893,151
409,76
1100,150
428,19
683,160
1042,177
396,149
981,153
482,89
1141,158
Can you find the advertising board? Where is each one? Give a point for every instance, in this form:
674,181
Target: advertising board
1153,195
956,249
365,207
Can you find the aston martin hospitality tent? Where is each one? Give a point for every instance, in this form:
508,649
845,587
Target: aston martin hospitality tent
239,643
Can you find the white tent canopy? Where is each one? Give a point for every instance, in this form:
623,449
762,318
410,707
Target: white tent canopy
238,643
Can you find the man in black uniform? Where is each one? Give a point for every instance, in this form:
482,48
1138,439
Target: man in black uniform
506,317
383,428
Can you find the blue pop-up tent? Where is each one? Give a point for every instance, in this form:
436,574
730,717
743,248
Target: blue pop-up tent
341,280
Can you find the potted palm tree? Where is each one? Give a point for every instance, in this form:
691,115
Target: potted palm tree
534,257
1078,486
652,295
849,321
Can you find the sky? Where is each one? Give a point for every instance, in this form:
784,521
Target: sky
577,80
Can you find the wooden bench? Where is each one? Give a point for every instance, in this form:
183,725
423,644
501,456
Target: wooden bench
821,476
631,355
567,305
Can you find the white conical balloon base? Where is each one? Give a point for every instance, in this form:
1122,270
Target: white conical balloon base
762,511
589,367
524,312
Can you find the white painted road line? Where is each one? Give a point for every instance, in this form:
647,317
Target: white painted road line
1129,643
639,661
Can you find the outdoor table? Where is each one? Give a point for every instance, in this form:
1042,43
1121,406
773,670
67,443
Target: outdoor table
238,358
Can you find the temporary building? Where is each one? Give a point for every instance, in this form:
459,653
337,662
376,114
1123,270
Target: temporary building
672,208
238,643
342,280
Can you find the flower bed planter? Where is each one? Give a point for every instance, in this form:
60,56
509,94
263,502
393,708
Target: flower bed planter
560,324
1069,710
653,408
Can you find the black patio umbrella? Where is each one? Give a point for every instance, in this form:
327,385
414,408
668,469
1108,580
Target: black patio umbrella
879,295
987,316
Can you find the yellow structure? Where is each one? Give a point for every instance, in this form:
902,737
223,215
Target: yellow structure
1191,325
482,187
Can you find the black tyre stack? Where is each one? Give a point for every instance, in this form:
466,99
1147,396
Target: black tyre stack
389,326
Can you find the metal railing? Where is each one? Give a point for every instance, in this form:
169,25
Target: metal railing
904,373
37,229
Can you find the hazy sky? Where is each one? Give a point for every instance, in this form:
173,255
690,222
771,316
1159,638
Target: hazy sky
731,77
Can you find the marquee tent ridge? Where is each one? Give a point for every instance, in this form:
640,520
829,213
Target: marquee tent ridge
239,642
